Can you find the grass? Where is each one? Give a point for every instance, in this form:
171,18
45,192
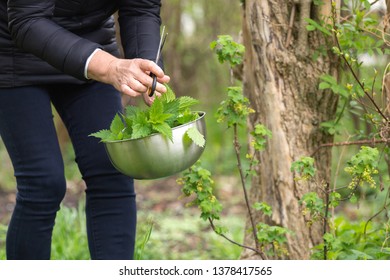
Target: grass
69,235
190,238
7,181
161,236
3,233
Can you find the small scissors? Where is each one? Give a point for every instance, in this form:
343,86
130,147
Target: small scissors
161,45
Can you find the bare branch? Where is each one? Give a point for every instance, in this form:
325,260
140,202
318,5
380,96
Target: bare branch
302,44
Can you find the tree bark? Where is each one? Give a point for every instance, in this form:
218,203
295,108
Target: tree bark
281,80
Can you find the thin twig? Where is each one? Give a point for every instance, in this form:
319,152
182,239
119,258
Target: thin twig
350,143
237,148
325,229
385,205
353,71
236,243
290,26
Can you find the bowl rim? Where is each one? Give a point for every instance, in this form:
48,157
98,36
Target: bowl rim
200,113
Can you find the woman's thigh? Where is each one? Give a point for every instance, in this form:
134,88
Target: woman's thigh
87,109
28,132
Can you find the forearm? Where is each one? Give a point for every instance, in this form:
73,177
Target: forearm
33,31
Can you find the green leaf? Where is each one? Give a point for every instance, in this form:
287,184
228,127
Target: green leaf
263,207
315,25
169,96
187,117
103,134
132,111
196,136
165,112
172,108
186,102
228,50
324,85
164,129
117,125
156,112
141,126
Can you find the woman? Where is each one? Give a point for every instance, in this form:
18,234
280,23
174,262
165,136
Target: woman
64,53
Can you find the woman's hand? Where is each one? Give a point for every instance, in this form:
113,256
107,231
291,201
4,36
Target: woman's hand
129,76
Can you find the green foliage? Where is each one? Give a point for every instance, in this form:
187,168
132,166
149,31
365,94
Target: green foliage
183,236
197,180
260,134
363,166
165,113
144,232
355,241
313,205
305,167
69,235
235,109
330,82
275,236
198,138
264,208
356,34
3,234
272,239
228,50
318,2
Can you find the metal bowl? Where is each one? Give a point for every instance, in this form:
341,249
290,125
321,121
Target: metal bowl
155,156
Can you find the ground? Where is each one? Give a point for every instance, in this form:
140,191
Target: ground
178,232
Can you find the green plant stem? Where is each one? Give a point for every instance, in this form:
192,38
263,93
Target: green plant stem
385,206
341,113
351,69
237,148
325,229
236,243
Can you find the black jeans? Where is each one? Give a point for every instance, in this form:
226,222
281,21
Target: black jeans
28,132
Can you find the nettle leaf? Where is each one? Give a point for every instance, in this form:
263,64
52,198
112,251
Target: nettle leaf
117,125
172,108
169,96
186,117
197,137
164,129
186,102
140,131
156,112
165,113
103,134
141,126
132,111
156,108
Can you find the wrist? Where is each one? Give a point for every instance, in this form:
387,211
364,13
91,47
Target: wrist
98,66
87,63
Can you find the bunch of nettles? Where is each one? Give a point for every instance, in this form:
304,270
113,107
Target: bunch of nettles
165,113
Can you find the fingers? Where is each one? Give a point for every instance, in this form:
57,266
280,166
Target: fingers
150,66
149,99
132,77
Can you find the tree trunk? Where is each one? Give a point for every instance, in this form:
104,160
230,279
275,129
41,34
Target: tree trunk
281,80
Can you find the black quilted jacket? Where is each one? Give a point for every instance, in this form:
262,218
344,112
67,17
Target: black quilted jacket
49,41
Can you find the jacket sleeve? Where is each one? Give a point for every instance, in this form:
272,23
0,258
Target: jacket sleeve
140,28
33,31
